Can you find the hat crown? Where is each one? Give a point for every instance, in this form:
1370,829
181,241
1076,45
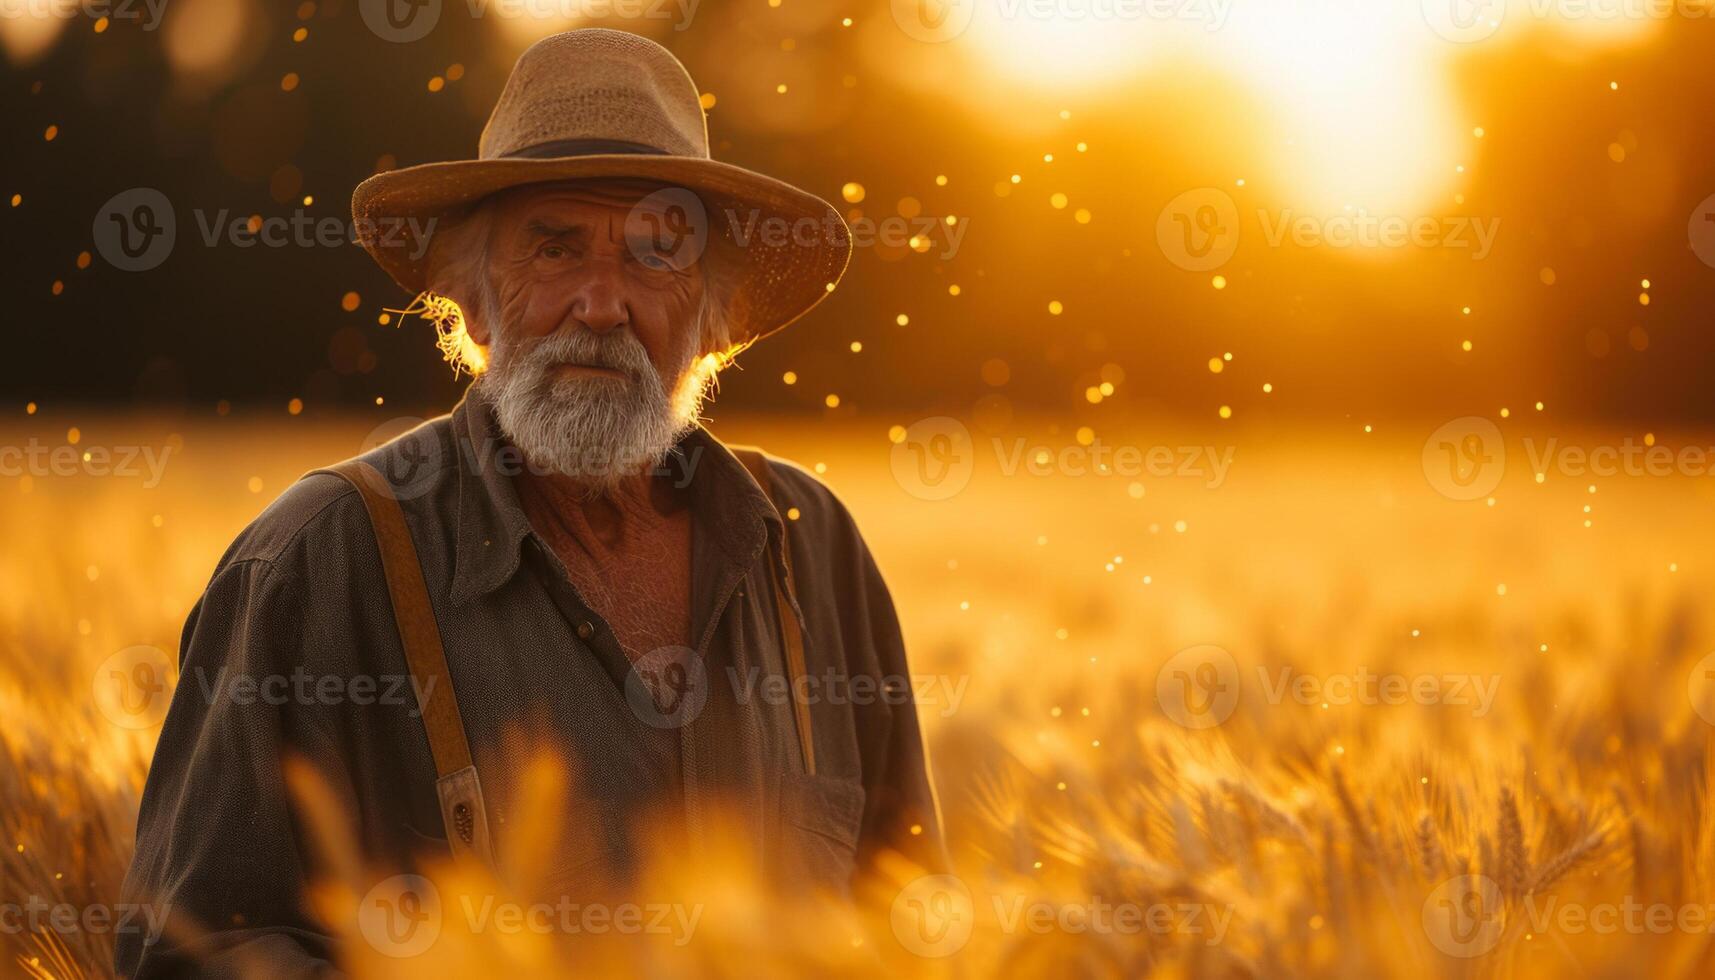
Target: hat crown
597,84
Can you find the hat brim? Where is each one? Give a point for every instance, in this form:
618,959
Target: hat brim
785,248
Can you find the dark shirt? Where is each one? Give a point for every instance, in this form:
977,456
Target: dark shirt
300,598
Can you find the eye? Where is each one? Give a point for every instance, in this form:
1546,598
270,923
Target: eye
555,251
656,261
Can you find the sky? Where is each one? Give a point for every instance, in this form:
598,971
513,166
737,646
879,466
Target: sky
1369,209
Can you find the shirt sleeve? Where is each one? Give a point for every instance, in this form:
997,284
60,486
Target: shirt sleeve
902,813
217,848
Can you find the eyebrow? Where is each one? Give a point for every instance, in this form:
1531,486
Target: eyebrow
538,228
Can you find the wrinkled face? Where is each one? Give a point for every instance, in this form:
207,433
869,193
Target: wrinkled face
593,328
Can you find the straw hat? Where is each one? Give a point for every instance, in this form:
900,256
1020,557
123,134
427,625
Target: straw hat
599,103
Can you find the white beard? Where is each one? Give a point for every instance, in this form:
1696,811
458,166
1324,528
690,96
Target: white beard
599,430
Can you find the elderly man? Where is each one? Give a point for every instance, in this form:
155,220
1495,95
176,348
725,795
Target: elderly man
566,564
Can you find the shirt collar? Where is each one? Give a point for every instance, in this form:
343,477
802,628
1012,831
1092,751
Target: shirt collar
728,509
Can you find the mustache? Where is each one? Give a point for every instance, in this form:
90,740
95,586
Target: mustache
618,350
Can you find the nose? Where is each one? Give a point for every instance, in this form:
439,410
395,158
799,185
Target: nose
598,301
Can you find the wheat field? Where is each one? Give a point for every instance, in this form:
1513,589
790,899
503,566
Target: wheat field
1458,738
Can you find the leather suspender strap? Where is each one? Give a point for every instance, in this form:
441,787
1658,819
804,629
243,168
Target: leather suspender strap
791,626
456,783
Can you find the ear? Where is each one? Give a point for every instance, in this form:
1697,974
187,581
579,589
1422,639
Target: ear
455,269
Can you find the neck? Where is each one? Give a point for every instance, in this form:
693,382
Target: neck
609,510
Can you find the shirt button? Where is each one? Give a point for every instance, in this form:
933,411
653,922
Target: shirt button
585,630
